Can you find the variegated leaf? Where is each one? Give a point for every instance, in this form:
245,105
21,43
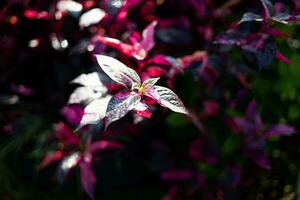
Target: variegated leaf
150,82
148,37
119,105
169,99
119,72
91,80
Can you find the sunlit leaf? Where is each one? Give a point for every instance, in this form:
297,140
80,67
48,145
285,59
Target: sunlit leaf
86,94
69,162
91,17
69,5
150,82
119,105
142,110
170,100
95,111
118,72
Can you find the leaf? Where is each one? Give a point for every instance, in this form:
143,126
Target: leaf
103,145
150,82
142,110
91,80
50,158
269,8
91,17
257,154
282,58
119,72
253,117
278,130
86,94
148,37
65,135
282,18
170,100
95,111
69,162
119,105
87,177
266,55
249,16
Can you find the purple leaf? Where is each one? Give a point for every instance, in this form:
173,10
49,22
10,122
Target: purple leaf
259,157
148,37
278,130
253,117
118,72
170,100
249,16
87,177
176,175
72,113
119,105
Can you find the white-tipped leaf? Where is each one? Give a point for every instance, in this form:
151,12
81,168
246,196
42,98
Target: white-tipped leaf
249,16
118,72
170,100
269,8
150,82
119,105
95,111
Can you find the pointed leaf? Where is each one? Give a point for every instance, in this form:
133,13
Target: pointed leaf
50,158
249,16
278,130
282,18
95,111
150,82
87,177
269,8
119,105
148,37
118,72
170,100
91,80
253,117
103,145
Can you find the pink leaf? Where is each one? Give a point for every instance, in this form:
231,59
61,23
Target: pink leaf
142,110
103,145
281,57
51,157
87,177
148,37
118,72
119,105
65,134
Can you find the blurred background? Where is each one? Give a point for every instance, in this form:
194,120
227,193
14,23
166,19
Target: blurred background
240,81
